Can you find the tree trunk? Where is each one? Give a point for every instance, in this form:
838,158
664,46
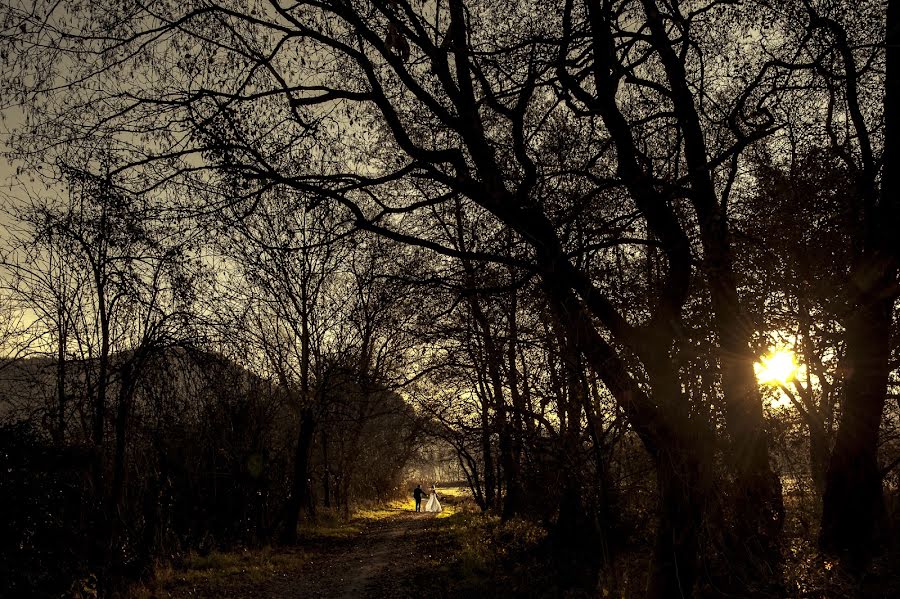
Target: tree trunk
326,477
853,504
99,412
606,512
674,567
818,456
493,360
512,501
662,425
487,455
518,401
123,406
300,489
682,491
60,433
345,496
508,460
572,524
759,507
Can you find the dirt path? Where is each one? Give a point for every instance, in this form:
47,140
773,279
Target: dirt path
382,560
376,563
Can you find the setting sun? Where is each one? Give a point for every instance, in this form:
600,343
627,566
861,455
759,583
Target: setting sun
778,367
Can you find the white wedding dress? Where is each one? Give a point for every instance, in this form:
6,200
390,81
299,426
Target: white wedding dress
433,505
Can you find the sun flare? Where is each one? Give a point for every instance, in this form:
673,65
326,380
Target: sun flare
777,368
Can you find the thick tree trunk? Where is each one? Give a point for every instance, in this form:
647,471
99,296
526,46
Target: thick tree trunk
151,513
680,468
853,503
758,503
674,567
571,525
818,456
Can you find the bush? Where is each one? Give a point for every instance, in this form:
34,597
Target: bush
44,548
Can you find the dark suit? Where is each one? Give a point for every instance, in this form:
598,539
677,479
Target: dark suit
417,494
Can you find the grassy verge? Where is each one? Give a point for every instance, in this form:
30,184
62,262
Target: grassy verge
220,574
475,555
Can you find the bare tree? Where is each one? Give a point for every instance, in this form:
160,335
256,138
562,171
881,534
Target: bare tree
282,264
615,117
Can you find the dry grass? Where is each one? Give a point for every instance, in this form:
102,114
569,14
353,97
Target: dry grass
329,526
220,572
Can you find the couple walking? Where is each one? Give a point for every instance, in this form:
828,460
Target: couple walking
433,504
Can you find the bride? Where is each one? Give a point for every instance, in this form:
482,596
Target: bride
433,504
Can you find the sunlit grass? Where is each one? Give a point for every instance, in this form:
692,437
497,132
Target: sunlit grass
460,492
383,511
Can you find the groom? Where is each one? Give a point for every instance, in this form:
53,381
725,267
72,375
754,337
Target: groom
417,494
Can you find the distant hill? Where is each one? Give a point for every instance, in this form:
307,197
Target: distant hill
28,387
